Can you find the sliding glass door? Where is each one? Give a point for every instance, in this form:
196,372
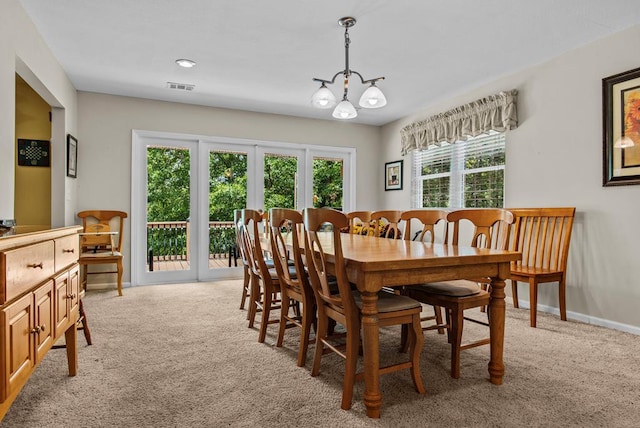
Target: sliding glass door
328,178
279,178
185,191
224,178
165,204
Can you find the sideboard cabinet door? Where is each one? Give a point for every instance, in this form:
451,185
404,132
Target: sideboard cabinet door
18,350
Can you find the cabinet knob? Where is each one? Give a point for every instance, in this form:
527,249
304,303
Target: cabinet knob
34,265
69,251
36,330
71,296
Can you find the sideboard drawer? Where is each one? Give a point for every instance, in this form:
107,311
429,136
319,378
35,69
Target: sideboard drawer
24,267
67,249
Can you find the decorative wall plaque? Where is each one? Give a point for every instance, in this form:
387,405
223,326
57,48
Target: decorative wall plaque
33,152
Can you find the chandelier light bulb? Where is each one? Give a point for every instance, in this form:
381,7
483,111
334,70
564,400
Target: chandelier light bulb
323,98
345,110
372,98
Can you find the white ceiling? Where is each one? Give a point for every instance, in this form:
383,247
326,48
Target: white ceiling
261,55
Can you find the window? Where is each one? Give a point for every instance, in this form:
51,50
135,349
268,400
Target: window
467,174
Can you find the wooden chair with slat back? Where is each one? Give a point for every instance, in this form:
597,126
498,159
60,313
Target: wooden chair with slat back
359,222
298,302
490,230
385,223
344,306
265,284
101,243
427,221
543,236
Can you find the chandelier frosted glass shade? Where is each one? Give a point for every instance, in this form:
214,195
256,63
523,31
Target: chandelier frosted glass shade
345,110
623,143
372,98
323,98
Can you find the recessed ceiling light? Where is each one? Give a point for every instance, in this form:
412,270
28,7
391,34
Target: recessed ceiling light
186,63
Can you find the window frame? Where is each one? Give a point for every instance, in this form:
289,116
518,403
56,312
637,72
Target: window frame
457,171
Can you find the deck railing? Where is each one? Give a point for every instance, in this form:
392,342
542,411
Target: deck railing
169,240
222,236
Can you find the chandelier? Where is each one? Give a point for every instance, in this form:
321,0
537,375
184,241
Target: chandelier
372,97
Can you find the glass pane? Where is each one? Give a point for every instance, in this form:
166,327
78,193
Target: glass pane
327,183
280,181
168,199
227,192
435,192
484,189
437,160
484,154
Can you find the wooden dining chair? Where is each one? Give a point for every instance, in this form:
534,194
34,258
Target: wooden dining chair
101,243
359,222
264,282
246,282
543,236
386,224
490,229
426,223
344,306
294,283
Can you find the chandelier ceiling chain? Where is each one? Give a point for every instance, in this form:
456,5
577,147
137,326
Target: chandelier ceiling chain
324,98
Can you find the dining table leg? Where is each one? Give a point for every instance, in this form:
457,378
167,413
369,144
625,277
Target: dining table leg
497,313
371,350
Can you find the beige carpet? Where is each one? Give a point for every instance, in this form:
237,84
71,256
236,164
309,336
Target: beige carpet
182,356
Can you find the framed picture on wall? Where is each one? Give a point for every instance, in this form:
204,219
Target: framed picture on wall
393,175
72,156
621,129
33,152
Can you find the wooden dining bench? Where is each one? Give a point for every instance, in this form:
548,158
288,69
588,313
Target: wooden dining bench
542,235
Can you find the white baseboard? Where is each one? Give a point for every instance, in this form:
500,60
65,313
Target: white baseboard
583,318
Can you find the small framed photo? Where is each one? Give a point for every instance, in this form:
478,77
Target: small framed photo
72,156
621,129
393,175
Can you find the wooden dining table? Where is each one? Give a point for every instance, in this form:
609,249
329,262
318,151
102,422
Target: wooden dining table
373,263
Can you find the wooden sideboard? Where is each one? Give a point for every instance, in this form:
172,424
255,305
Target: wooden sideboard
39,294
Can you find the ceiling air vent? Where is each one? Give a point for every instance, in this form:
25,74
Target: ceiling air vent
180,86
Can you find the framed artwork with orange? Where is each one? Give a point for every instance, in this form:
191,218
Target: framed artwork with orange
621,128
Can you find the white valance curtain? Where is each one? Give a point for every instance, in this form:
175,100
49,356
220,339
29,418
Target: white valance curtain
493,113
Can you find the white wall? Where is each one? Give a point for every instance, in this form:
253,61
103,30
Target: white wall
24,51
554,158
104,144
